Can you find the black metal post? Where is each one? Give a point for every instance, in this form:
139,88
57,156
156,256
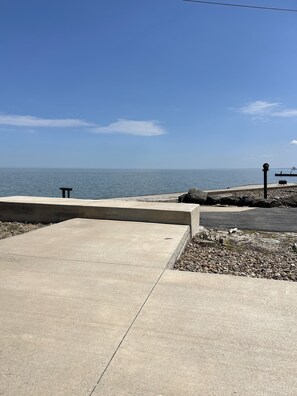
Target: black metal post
64,189
265,170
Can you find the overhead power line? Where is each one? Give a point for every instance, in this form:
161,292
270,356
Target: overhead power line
241,5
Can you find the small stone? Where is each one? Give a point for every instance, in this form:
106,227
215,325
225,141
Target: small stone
232,230
206,243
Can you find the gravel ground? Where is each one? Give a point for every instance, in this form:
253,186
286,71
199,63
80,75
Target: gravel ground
242,253
9,229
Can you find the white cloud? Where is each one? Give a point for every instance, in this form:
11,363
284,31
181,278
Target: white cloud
30,121
130,127
122,126
293,142
263,110
258,108
285,113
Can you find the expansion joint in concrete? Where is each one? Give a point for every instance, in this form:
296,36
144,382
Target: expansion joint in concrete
127,332
123,264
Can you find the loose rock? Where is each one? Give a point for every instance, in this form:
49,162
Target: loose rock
9,229
243,253
285,197
195,196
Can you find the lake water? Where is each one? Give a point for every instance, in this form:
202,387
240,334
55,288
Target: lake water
108,183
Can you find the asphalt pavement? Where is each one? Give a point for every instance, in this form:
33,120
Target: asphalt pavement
262,219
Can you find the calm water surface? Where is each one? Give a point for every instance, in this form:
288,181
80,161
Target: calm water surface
108,183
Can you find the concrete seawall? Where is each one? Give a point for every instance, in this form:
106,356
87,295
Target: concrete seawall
53,210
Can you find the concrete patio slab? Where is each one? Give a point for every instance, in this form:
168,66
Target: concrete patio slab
83,317
128,243
62,319
202,334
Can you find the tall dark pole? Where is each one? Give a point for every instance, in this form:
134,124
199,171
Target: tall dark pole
265,170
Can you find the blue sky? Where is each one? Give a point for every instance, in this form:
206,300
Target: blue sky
147,84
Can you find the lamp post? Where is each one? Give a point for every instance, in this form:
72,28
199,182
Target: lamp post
265,170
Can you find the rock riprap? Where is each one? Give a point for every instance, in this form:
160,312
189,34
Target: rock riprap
281,197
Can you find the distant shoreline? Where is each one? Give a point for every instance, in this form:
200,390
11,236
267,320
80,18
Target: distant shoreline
172,197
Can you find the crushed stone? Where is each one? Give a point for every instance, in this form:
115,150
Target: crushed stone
255,254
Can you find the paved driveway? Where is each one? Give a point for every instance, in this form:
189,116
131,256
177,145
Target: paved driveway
272,219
